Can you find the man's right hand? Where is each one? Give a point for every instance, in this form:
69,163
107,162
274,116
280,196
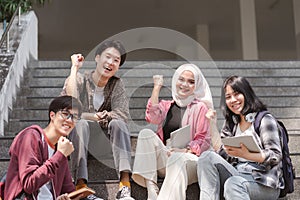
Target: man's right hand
77,60
65,146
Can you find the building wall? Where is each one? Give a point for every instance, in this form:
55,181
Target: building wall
70,26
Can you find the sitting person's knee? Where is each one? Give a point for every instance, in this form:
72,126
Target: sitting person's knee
146,133
116,123
232,183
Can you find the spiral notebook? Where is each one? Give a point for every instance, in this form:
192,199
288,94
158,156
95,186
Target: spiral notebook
179,138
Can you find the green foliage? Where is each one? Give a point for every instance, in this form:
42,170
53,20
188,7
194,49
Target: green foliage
8,7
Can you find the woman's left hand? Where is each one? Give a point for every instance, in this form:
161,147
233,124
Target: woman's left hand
240,152
243,152
211,114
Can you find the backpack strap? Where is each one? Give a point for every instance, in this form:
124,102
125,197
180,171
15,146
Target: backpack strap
258,119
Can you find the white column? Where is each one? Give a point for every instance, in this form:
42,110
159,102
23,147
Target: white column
248,30
296,6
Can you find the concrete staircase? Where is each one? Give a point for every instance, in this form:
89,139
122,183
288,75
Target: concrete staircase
276,83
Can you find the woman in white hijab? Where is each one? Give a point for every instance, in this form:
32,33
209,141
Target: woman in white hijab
191,101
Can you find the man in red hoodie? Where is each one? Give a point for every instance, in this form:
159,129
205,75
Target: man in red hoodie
38,167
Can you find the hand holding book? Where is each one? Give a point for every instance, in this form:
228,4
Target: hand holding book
82,192
247,140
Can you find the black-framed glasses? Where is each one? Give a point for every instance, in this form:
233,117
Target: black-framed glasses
65,114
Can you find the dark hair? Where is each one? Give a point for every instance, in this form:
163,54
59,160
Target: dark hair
241,85
64,102
115,44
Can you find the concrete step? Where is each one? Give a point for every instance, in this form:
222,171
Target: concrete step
282,106
266,91
291,102
137,86
138,114
53,86
15,125
249,68
174,64
139,98
4,147
208,73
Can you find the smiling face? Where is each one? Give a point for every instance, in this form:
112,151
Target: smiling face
235,101
62,123
108,62
185,84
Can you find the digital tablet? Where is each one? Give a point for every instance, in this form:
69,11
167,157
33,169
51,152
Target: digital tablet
247,140
180,137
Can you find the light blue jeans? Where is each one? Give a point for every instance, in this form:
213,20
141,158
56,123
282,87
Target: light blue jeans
216,177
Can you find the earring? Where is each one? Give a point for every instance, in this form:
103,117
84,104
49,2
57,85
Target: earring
250,117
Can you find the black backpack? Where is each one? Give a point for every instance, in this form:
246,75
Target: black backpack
287,166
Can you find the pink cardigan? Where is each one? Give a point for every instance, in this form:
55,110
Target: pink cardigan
194,115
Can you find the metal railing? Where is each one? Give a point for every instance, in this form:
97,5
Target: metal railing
6,31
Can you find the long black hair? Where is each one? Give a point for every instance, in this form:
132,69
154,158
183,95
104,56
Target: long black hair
252,102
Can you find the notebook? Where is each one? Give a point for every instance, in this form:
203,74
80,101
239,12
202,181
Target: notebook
247,140
179,138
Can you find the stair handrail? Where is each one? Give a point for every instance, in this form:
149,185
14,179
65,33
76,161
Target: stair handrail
6,31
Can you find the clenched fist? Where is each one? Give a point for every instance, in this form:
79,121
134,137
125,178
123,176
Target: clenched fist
65,146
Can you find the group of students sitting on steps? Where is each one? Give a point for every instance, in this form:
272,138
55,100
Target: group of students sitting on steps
39,169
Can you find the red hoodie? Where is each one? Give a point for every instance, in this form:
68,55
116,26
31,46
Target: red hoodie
29,167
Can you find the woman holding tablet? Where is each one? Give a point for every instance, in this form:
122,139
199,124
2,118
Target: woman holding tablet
189,106
242,174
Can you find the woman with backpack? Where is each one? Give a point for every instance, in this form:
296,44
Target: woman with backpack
242,174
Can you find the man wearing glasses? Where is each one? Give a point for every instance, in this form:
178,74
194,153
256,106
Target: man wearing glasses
38,167
104,100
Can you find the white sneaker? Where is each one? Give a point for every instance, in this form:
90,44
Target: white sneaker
124,193
92,197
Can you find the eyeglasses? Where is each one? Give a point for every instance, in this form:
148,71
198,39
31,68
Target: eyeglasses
67,115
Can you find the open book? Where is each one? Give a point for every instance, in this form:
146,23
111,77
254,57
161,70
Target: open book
247,140
179,138
86,191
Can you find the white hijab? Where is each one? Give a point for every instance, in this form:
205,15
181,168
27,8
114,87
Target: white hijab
201,91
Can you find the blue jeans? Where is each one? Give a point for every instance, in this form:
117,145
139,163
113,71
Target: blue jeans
217,177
